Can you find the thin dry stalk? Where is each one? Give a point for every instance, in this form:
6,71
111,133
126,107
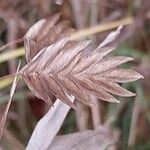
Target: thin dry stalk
4,117
101,28
96,113
134,121
82,116
12,35
11,43
94,18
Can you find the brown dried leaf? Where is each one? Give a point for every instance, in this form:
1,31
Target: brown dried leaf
47,128
103,138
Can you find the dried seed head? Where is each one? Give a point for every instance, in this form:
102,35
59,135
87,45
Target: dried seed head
56,65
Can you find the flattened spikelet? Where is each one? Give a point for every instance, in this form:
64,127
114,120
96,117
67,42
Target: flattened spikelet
57,65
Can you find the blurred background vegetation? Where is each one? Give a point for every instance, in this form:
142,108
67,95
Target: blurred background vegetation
131,118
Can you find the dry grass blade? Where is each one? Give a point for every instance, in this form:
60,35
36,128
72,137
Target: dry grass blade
48,126
102,138
102,27
5,82
11,54
11,43
3,120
